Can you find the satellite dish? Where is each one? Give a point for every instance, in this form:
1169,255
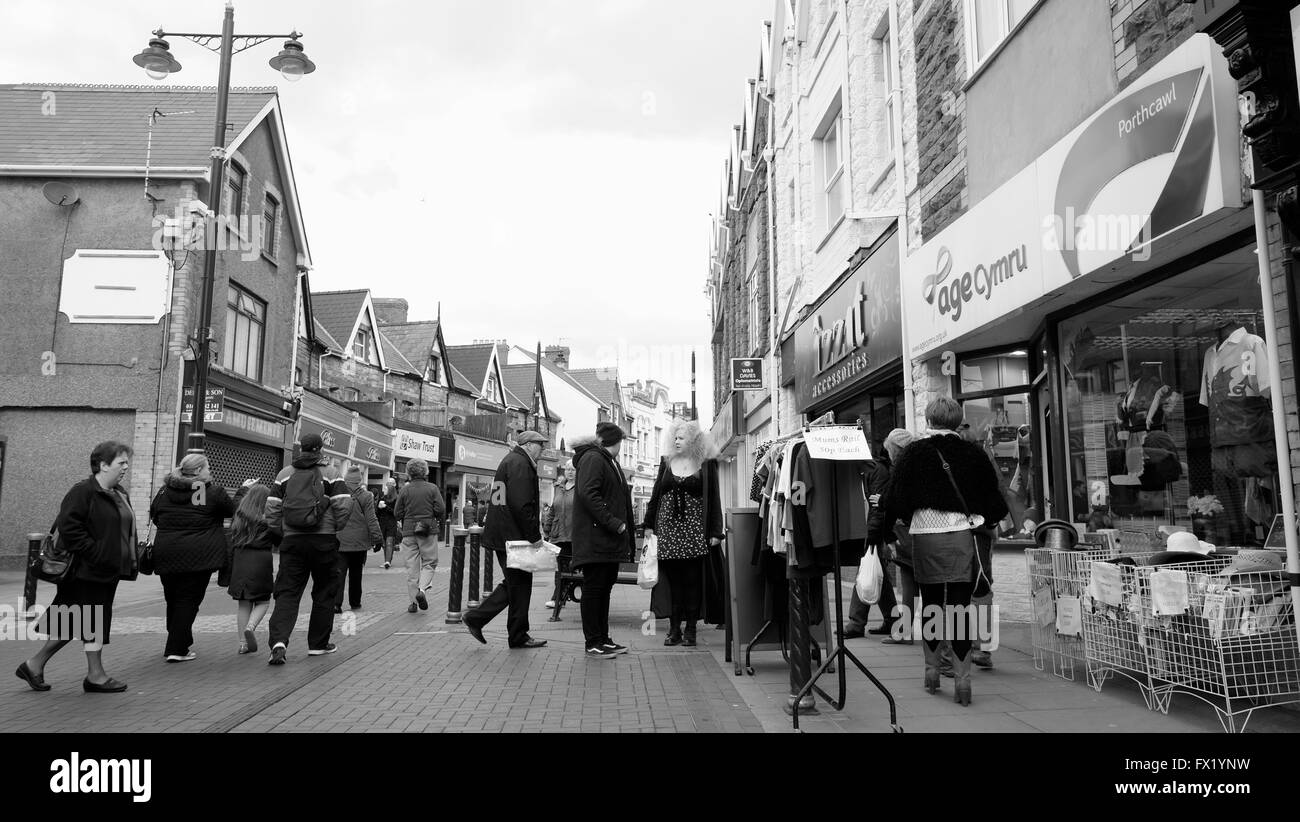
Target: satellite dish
60,194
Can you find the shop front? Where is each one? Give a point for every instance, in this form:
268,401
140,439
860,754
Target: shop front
330,421
372,449
848,351
1100,319
467,488
248,433
731,459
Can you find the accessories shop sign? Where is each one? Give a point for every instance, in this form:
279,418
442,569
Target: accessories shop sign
855,331
1156,158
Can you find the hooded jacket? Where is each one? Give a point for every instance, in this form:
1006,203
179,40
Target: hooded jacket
190,515
362,531
514,512
335,490
602,504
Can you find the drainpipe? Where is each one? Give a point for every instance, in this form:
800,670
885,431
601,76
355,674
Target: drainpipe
297,321
900,176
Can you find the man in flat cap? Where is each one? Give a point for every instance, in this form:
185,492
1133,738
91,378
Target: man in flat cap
514,513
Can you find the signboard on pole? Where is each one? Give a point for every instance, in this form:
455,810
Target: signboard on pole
747,374
837,442
213,405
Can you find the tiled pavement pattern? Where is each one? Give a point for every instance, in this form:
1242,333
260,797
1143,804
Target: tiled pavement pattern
412,672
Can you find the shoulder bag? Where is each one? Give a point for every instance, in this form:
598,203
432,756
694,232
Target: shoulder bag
980,571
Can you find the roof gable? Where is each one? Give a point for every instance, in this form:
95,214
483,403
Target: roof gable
418,342
555,370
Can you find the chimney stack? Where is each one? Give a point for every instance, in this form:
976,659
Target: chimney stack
390,309
559,355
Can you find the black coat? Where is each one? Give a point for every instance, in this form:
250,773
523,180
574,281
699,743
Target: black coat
918,480
90,526
190,535
602,505
516,515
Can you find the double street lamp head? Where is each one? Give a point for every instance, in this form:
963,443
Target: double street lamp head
291,62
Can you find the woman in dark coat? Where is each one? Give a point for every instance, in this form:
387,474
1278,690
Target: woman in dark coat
557,524
385,506
603,531
251,579
189,510
952,529
96,524
685,513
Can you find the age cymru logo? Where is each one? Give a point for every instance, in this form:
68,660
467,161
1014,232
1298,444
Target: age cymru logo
953,295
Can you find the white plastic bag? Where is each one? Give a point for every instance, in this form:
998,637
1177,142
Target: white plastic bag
870,577
522,556
647,570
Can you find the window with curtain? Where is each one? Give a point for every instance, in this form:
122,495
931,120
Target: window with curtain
245,332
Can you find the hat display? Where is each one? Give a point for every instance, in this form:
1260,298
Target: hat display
525,437
1186,542
609,433
311,442
1057,533
1253,561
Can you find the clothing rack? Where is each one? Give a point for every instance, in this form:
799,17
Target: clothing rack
841,652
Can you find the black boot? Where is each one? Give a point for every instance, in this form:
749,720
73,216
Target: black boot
688,636
674,634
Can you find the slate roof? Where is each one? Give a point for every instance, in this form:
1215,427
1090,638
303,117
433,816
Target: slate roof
561,373
461,381
601,382
394,357
109,125
414,339
338,312
326,338
471,361
520,380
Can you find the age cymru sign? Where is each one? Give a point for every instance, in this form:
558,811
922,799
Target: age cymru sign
1158,161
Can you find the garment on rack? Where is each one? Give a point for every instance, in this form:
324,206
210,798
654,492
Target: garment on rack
761,471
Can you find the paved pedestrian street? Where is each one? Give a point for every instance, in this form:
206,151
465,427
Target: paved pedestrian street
400,672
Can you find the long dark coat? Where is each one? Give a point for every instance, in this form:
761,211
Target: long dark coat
602,504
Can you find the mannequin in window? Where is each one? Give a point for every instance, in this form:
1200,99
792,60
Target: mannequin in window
1142,408
1235,389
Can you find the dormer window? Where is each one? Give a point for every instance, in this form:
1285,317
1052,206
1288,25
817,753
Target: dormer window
433,372
363,345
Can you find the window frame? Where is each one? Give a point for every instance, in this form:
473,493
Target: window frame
230,346
1006,28
270,232
888,68
235,204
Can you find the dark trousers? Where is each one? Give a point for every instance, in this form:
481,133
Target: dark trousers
941,594
597,583
562,565
304,556
515,591
860,612
685,586
350,565
184,593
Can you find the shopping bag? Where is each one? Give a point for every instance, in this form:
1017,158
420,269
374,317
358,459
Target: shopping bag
870,577
522,556
647,570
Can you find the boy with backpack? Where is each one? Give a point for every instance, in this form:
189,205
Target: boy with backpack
309,504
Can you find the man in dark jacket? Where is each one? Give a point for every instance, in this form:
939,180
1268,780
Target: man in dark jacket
387,519
602,538
513,514
307,553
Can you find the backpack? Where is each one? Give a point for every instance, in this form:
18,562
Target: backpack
304,500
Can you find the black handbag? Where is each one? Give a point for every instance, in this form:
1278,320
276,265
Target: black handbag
55,563
144,553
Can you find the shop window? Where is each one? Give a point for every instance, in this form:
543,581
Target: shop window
993,373
988,23
1168,409
245,332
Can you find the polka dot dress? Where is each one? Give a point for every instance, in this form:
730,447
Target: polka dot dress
681,526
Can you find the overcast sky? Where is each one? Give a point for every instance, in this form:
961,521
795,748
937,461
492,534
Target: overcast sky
544,168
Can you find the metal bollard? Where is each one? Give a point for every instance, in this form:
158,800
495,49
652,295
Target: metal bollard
800,648
475,536
457,576
29,580
489,557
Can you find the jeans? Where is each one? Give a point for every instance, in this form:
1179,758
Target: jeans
598,580
183,592
421,560
350,565
304,556
685,586
515,591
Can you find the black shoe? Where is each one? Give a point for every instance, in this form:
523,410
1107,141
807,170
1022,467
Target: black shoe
278,655
674,638
475,631
530,643
338,609
36,681
600,652
614,647
854,632
688,640
329,648
112,686
422,601
410,609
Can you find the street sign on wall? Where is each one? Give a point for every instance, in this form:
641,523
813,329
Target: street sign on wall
213,406
747,374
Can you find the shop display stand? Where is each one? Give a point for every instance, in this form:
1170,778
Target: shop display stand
841,653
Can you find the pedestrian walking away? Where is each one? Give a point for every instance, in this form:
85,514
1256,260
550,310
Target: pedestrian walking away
251,582
385,511
308,504
361,535
557,525
189,512
513,515
685,514
603,534
419,510
875,479
97,526
946,489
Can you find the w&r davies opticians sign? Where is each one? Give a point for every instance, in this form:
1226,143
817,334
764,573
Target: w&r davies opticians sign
1160,156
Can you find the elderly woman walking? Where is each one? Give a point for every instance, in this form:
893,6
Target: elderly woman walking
96,524
190,511
419,510
947,491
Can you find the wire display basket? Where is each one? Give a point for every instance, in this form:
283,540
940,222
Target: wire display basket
1058,582
1113,625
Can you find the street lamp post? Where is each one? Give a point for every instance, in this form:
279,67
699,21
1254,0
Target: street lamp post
158,62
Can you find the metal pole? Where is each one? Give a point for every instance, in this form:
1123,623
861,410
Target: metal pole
475,534
457,576
29,580
216,181
800,649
